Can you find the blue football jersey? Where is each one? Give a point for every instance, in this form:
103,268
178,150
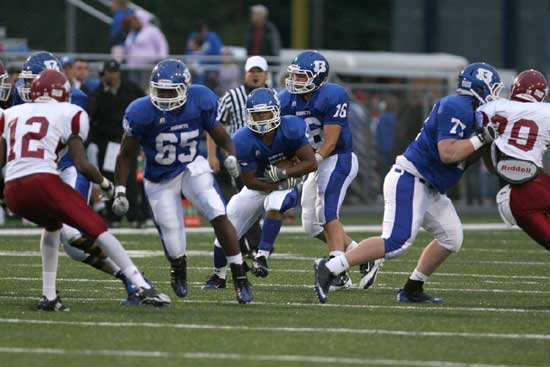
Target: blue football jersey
327,106
452,117
170,138
253,154
78,98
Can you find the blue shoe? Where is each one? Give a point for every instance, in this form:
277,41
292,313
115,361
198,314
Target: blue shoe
243,288
323,278
214,282
178,275
416,297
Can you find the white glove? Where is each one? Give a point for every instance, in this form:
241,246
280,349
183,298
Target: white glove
107,188
274,174
484,135
319,158
120,204
232,166
291,183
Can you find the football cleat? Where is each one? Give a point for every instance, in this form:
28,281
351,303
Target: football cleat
150,297
214,282
323,279
131,289
341,281
178,275
259,267
369,273
55,305
243,288
404,296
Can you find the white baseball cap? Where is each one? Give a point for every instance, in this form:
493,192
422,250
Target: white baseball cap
255,62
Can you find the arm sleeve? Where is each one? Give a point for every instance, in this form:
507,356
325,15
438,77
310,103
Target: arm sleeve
245,158
132,123
209,107
450,124
80,125
224,108
296,134
336,110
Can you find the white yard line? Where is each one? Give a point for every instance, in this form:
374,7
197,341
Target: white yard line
241,357
423,307
287,329
284,229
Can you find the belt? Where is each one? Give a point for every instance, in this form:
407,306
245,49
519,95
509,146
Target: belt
422,181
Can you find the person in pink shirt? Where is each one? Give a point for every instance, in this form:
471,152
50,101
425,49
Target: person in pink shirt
145,44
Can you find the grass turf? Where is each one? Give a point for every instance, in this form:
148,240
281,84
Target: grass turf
496,311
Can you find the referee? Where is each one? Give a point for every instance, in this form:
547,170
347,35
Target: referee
232,114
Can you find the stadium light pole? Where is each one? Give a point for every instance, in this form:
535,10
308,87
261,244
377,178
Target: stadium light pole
300,24
70,27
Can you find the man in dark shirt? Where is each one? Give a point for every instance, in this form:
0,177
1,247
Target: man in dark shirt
107,105
263,37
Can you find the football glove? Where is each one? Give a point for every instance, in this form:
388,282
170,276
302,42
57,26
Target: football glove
107,188
290,183
487,134
120,204
232,166
274,174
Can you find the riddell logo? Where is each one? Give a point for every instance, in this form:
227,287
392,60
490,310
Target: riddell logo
507,168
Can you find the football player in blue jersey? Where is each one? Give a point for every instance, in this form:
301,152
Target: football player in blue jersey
415,187
266,140
76,245
168,125
324,107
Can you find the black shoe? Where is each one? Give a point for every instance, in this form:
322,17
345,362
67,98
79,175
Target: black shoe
151,297
55,305
178,275
323,278
341,281
243,288
418,296
369,273
214,282
259,267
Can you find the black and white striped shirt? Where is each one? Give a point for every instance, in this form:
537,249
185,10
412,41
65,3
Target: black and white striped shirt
232,109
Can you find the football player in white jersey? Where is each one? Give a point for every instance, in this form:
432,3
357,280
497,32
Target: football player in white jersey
32,135
516,156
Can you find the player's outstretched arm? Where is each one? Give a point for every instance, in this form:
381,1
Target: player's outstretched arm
306,164
331,134
78,154
129,150
222,139
457,150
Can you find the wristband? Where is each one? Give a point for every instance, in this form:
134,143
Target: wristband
319,158
476,142
105,183
120,190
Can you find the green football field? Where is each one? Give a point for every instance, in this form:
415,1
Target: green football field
496,311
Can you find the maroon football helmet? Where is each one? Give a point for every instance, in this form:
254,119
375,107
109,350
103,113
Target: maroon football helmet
51,84
529,86
5,87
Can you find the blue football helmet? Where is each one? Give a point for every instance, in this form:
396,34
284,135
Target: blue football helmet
169,76
263,100
34,64
481,81
307,72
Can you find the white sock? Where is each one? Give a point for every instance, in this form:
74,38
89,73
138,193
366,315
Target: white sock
351,246
49,248
263,253
337,264
220,272
236,259
135,277
416,275
335,253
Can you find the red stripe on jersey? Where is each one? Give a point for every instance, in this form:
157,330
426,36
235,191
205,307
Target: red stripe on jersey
485,118
2,123
75,123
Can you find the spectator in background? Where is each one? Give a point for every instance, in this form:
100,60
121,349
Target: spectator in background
118,31
203,42
81,75
107,105
67,65
230,73
385,135
145,45
263,37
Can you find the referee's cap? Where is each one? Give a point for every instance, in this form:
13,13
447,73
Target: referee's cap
255,62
